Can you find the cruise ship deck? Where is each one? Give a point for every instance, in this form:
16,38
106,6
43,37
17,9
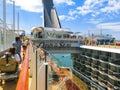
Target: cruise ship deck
95,66
64,74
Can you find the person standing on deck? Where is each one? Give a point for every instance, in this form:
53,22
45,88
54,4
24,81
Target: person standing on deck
17,44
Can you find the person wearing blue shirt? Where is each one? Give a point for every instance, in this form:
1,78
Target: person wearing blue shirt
17,44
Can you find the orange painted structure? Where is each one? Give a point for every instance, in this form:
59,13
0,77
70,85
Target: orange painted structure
23,78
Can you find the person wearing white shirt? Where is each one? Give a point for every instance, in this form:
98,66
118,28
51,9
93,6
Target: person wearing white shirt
14,54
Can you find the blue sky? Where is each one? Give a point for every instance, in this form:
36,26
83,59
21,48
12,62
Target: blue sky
78,15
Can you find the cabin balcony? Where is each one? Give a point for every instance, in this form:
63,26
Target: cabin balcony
96,56
103,69
114,82
83,53
116,62
87,57
95,61
104,58
87,63
112,86
102,76
115,56
95,52
115,74
102,82
95,66
89,54
94,74
82,62
114,69
104,53
87,73
88,69
94,77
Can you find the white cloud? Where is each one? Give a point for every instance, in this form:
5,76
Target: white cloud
67,18
113,6
87,7
68,2
115,26
36,5
94,21
29,5
62,17
98,7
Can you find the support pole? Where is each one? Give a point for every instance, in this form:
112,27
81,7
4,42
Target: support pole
14,16
18,22
4,23
46,77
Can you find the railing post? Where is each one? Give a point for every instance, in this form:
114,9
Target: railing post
36,68
33,68
45,56
46,77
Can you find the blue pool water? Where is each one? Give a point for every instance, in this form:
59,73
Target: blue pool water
62,60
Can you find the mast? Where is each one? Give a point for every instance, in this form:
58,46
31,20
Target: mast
50,16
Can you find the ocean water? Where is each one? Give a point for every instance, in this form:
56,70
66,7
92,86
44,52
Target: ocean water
62,60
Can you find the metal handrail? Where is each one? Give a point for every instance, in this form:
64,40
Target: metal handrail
23,78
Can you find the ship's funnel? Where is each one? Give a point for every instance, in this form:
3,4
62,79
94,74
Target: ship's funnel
50,17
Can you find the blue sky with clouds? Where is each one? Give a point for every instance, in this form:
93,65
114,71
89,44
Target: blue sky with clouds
78,15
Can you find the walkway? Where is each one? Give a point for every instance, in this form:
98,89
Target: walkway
9,84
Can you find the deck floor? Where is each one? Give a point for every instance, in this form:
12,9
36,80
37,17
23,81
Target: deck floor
9,85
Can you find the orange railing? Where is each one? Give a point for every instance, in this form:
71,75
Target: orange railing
23,78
